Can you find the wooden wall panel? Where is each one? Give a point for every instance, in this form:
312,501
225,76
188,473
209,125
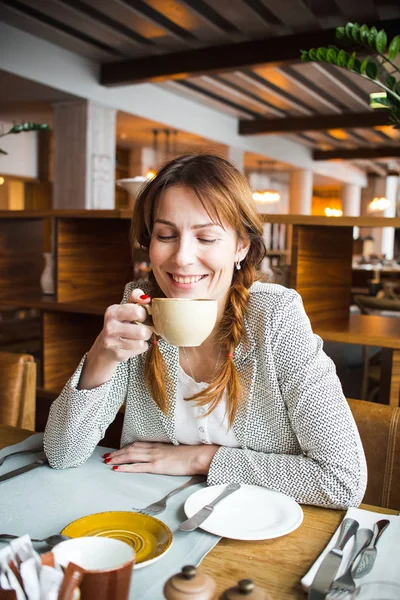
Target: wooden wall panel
21,256
66,338
321,271
94,261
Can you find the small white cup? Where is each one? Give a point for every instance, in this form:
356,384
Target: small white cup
183,321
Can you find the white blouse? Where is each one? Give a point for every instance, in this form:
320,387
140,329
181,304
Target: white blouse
192,427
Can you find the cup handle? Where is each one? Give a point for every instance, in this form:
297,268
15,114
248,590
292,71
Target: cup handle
73,576
148,309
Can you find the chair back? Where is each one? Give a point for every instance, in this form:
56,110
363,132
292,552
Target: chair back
17,390
379,427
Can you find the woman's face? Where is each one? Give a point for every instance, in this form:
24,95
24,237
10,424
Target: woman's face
191,256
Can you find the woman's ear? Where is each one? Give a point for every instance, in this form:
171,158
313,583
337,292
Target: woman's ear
242,249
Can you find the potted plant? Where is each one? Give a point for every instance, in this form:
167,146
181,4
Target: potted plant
24,127
374,62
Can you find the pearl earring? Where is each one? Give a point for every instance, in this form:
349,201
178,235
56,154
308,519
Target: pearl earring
238,265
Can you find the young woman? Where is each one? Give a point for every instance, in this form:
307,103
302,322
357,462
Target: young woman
258,402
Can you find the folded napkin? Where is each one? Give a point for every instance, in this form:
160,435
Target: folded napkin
387,564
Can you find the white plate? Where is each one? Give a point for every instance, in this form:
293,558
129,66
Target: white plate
251,513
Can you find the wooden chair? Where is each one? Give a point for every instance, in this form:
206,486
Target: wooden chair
379,427
17,390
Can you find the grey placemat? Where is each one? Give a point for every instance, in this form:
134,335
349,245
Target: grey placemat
43,501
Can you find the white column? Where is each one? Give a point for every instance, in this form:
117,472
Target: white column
84,155
351,203
300,192
236,156
387,243
351,200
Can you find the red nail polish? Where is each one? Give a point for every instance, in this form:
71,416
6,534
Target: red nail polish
106,455
107,460
115,468
144,297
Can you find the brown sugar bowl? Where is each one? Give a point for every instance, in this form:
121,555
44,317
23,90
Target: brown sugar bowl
190,584
246,589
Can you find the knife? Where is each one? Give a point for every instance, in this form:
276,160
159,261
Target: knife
205,512
42,460
331,562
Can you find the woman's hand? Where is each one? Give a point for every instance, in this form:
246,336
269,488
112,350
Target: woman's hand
164,459
123,336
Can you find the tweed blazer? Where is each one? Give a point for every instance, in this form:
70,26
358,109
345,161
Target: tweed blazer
295,429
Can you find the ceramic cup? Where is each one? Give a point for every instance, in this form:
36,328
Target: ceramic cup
101,567
181,321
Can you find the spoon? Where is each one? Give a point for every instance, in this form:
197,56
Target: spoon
52,540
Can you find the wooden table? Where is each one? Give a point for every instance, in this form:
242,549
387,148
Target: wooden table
373,330
277,565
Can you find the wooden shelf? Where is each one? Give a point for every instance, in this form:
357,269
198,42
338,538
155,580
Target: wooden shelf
67,213
50,304
333,221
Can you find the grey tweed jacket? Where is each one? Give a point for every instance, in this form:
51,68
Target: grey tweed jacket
296,432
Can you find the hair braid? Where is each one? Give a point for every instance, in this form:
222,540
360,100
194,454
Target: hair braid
230,332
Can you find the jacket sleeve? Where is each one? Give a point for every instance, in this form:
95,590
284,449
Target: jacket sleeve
330,470
78,419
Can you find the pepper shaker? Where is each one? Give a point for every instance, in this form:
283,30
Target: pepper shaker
190,584
246,589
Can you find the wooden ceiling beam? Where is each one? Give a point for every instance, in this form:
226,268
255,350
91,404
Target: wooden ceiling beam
314,123
355,153
216,59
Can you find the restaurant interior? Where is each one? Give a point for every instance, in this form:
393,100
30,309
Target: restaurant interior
112,90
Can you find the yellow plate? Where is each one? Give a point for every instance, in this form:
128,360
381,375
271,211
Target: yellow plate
149,537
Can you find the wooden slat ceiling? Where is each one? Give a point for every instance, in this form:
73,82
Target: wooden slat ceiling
238,56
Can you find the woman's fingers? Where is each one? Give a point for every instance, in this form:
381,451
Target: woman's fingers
136,452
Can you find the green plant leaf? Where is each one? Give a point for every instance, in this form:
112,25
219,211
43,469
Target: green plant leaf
381,41
347,29
371,70
312,53
391,82
357,65
394,47
322,54
364,33
342,58
340,33
373,32
331,56
352,60
305,57
355,32
3,151
363,67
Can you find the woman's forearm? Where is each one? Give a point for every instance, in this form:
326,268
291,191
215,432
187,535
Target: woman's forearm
97,369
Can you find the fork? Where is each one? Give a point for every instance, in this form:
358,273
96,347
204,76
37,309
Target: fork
345,584
3,458
157,507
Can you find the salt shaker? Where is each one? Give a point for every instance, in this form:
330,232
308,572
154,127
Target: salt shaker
246,589
190,584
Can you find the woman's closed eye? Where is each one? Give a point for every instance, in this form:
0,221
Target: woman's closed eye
169,238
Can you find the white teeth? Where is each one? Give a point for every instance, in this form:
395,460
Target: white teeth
186,279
